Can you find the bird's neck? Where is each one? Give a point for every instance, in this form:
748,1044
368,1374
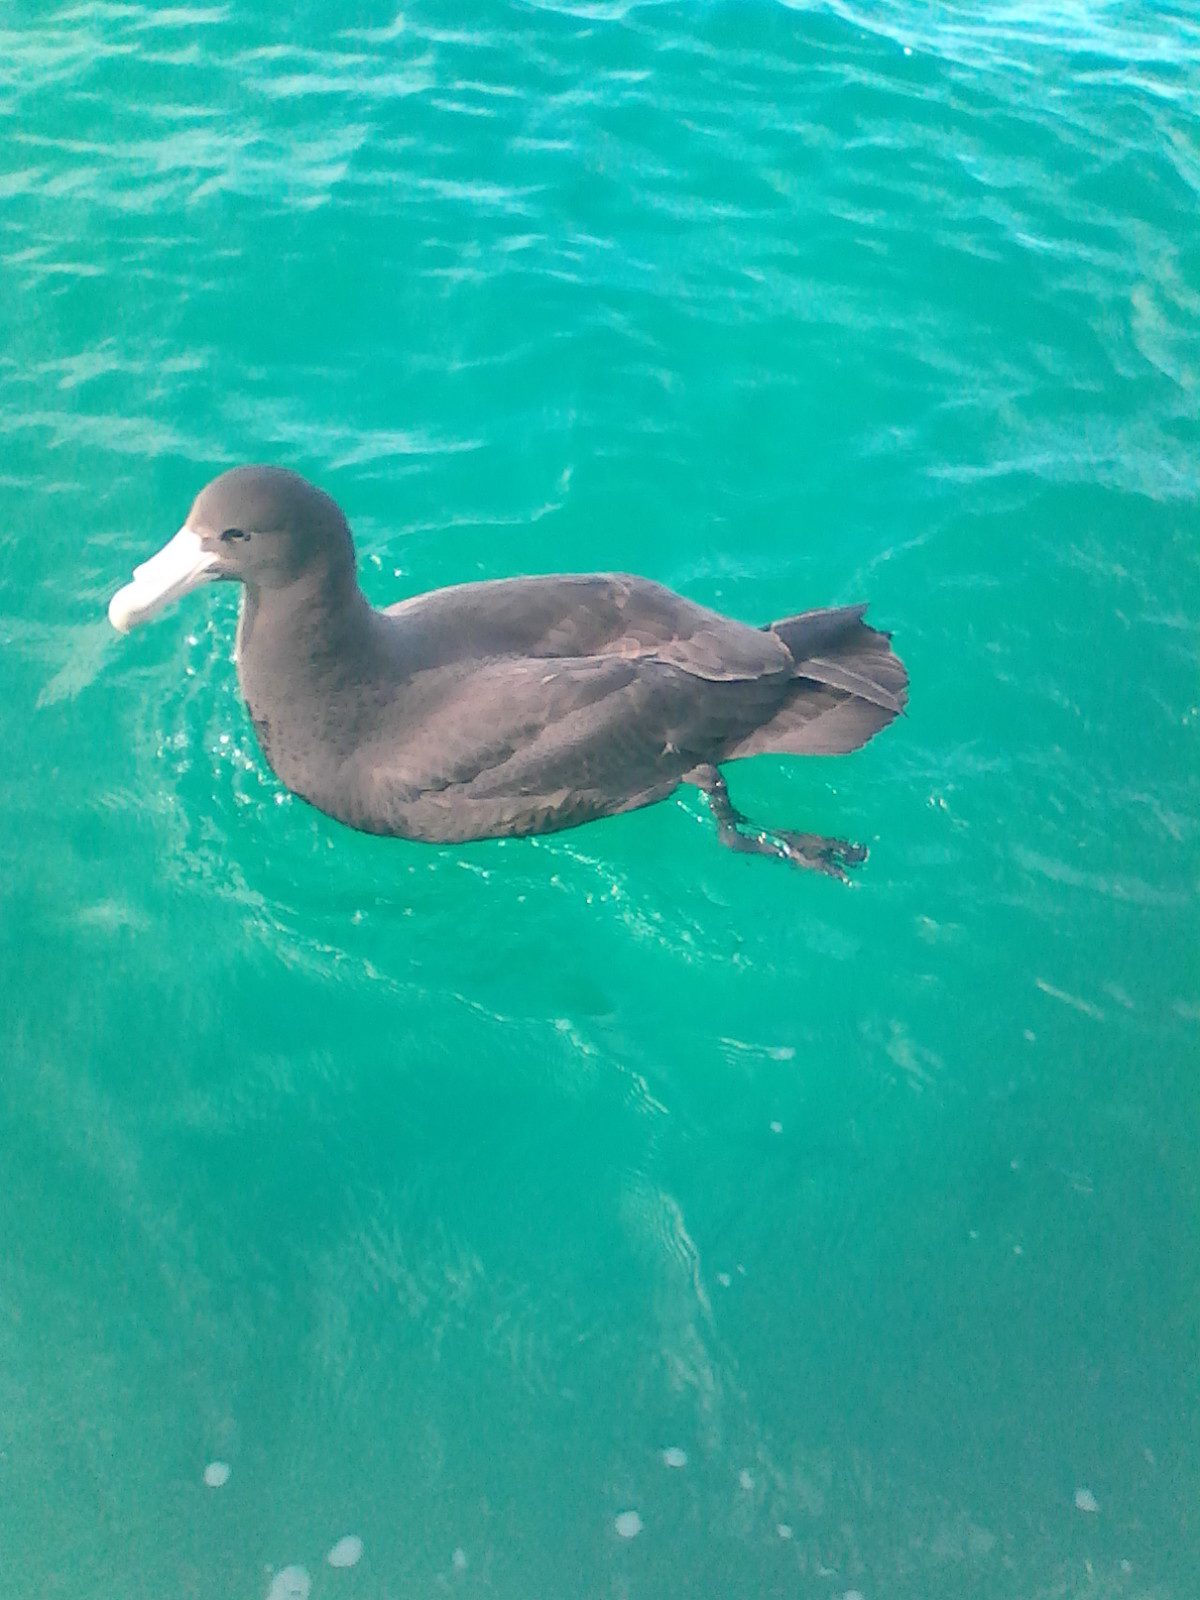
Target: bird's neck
317,615
297,646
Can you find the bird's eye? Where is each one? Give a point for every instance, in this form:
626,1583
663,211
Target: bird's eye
233,533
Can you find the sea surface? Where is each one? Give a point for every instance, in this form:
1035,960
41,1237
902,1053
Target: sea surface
608,1215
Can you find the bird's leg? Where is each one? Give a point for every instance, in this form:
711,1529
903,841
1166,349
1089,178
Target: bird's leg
812,850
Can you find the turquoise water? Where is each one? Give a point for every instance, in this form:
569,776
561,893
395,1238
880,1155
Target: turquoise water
438,1192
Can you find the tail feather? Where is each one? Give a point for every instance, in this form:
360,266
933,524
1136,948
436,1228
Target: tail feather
863,685
812,632
849,684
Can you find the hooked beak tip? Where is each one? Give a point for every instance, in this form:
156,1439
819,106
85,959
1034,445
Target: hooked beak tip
179,566
119,609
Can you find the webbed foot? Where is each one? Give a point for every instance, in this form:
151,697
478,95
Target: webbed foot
813,851
819,854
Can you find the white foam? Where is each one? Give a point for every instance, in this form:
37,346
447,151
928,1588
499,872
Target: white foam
346,1552
746,1478
290,1583
1085,1500
784,1530
216,1474
673,1456
628,1524
459,1560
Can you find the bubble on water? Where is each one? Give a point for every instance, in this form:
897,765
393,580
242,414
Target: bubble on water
459,1560
628,1524
1085,1500
746,1478
853,1594
290,1583
783,1529
673,1456
346,1552
216,1474
777,1127
724,1279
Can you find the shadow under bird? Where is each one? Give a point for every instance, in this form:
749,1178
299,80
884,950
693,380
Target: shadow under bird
512,707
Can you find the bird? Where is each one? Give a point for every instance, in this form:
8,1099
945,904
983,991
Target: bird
514,706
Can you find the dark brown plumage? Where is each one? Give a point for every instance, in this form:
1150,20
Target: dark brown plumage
513,707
